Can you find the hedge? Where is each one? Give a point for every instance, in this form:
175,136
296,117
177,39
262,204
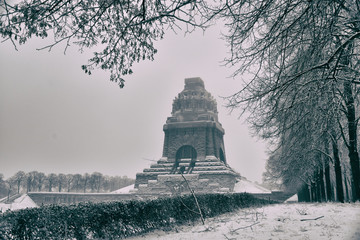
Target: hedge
116,220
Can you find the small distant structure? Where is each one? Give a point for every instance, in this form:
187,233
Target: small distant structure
193,148
17,202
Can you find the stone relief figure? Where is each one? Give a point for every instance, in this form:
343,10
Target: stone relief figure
174,168
192,165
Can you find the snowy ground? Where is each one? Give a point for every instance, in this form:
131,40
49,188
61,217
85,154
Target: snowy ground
281,221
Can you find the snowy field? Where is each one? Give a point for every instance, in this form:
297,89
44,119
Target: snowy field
282,221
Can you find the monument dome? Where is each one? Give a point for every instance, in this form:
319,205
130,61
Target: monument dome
194,103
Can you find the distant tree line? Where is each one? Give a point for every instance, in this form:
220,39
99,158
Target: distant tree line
35,181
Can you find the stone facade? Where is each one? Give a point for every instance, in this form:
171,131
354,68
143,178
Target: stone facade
205,137
193,145
194,122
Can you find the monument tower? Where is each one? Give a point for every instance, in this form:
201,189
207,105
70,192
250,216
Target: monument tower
193,146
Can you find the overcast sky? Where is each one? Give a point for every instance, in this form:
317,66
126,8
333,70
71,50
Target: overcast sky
55,118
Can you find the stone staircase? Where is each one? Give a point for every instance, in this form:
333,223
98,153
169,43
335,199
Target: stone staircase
208,175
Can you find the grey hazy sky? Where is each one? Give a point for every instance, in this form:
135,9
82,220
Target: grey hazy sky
54,118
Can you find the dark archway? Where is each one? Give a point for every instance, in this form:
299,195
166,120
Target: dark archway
185,152
222,156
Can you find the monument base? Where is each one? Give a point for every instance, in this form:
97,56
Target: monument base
206,176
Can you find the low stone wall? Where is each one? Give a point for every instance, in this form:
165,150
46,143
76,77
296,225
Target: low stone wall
45,198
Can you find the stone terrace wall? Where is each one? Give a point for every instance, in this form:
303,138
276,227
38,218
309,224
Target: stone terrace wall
45,198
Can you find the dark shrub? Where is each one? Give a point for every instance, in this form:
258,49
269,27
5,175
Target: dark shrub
116,219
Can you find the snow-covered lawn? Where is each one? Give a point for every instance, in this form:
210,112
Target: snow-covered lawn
280,221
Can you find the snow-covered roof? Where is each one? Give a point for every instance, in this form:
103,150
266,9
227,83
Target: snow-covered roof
247,186
124,189
24,201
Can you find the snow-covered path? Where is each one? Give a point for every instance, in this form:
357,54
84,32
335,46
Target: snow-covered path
282,221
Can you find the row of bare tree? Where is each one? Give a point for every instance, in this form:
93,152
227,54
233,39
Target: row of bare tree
304,96
35,181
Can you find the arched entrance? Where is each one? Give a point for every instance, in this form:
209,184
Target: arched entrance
185,152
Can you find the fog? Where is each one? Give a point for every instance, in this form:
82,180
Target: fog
55,118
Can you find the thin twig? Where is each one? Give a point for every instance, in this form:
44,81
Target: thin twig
245,227
9,21
196,201
308,219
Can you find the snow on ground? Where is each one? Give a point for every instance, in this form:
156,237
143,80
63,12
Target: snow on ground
247,186
24,201
301,221
124,189
243,185
292,199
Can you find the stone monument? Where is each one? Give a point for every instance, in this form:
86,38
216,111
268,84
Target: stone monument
193,148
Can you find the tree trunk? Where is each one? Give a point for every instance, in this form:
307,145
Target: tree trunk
352,143
326,161
85,185
303,194
313,192
317,187
329,196
307,193
318,190
346,187
322,185
351,123
28,185
338,175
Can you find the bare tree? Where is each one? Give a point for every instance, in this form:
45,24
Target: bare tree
95,181
125,29
296,50
40,181
62,181
52,180
291,45
5,188
31,181
85,181
18,179
77,186
117,182
69,181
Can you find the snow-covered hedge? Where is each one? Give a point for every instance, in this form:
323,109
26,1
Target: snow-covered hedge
115,219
